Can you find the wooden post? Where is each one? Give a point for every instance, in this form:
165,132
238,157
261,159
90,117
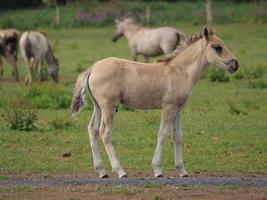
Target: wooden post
147,15
57,18
209,12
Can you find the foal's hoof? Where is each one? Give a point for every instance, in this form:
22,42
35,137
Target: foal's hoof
183,175
104,176
124,176
159,176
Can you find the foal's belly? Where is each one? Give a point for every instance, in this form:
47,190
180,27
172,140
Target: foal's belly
148,100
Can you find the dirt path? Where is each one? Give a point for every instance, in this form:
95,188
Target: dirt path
187,181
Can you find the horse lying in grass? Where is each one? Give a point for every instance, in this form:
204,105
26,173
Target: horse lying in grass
165,85
9,39
35,48
145,41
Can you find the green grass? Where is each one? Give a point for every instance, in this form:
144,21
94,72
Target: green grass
218,136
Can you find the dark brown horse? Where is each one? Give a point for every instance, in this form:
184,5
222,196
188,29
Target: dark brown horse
9,39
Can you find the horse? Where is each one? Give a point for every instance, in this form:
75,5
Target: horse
35,48
145,41
165,85
9,50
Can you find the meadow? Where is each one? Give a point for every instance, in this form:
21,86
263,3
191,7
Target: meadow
224,123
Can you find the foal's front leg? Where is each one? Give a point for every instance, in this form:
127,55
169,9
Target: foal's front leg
177,141
166,121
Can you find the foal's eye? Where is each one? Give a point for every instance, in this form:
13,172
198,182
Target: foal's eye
218,48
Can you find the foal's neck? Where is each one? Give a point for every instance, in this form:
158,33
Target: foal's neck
192,60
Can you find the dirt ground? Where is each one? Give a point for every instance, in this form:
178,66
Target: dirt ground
153,192
148,191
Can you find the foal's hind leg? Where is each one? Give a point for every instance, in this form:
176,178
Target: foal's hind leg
106,132
93,130
177,141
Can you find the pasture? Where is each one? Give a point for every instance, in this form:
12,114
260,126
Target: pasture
224,124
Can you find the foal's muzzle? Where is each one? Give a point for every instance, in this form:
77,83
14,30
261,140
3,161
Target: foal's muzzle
232,65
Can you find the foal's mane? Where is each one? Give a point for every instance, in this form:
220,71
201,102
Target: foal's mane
191,40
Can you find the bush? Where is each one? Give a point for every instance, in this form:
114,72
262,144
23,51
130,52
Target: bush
259,84
61,124
20,114
234,110
257,73
239,76
218,76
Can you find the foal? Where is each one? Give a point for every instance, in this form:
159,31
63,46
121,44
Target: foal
146,41
165,85
35,48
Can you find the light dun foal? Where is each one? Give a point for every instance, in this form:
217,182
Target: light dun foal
35,48
146,41
165,85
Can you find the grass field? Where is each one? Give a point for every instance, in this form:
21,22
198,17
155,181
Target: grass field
224,124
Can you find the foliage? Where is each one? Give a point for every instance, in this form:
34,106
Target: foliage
257,73
20,114
97,13
258,84
218,76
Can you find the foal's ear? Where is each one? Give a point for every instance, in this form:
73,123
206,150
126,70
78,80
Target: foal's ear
207,32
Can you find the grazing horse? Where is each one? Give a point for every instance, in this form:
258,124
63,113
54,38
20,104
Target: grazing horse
145,41
35,48
165,85
9,39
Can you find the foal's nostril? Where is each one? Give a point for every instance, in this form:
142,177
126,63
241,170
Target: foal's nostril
236,64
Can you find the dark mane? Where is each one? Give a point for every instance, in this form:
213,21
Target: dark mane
192,39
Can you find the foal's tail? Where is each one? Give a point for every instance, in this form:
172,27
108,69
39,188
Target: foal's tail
78,99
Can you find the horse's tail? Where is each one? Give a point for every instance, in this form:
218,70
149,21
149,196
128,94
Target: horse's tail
28,47
181,38
78,99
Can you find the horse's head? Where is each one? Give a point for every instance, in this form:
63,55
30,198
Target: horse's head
118,33
121,26
217,53
53,70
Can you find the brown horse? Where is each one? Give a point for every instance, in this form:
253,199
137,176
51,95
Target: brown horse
165,85
9,39
146,41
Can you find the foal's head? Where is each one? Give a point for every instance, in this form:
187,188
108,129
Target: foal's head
217,54
121,26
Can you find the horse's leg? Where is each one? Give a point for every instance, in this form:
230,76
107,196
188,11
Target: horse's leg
146,59
38,68
177,139
106,132
166,120
93,130
134,55
1,66
28,78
